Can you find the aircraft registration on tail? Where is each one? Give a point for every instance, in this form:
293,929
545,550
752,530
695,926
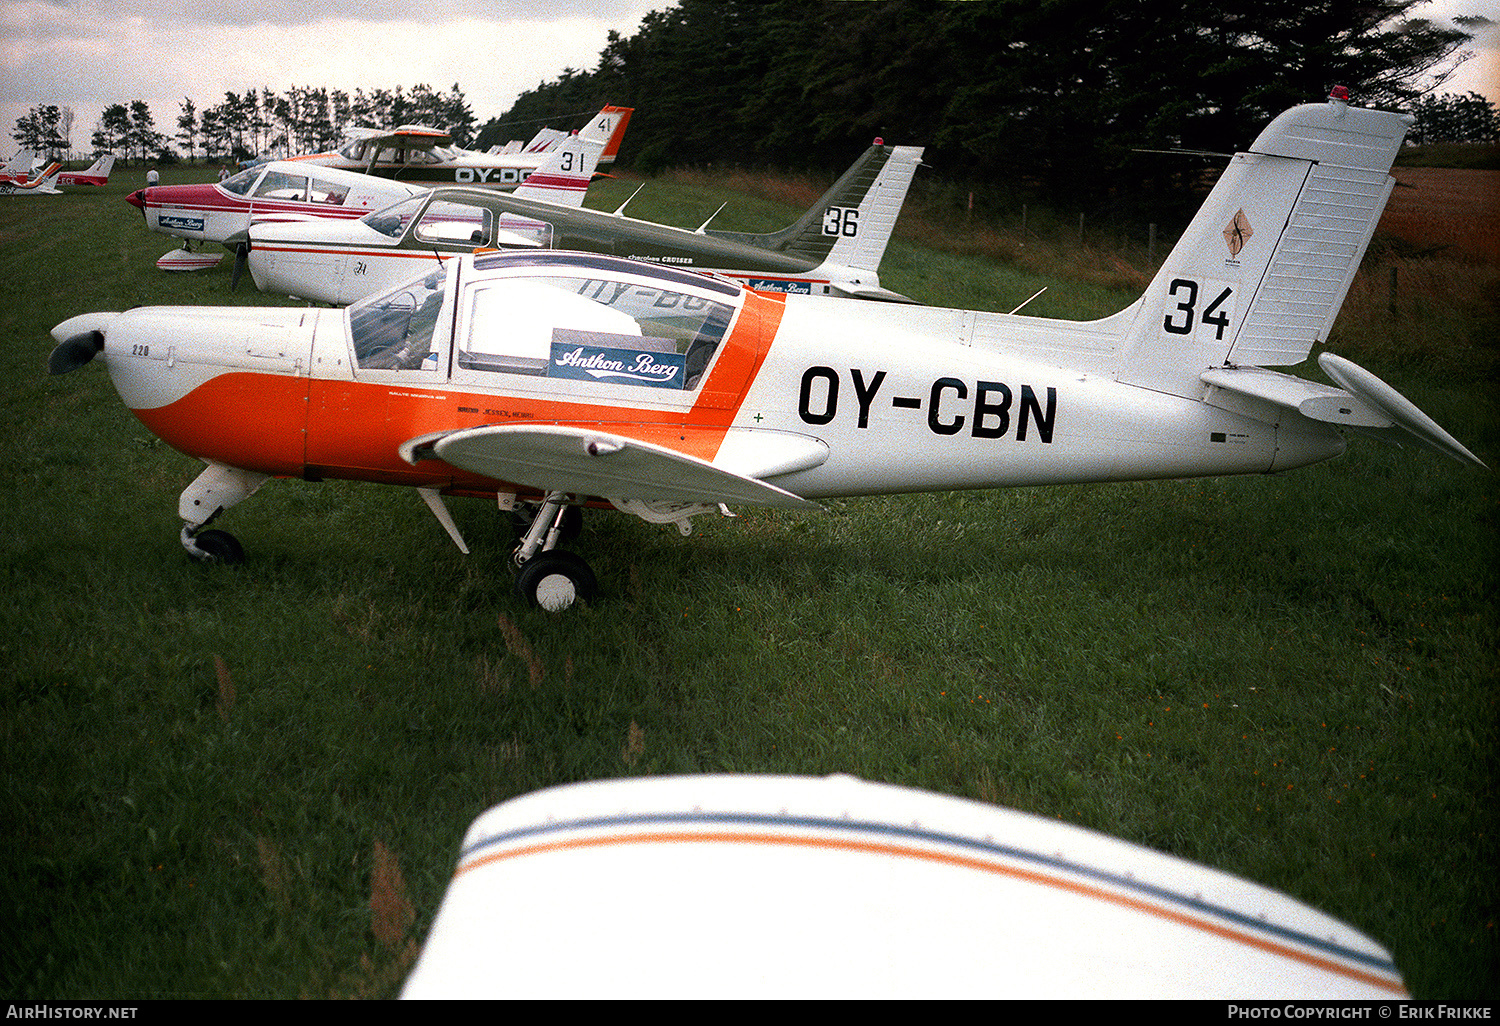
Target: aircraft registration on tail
551,380
834,249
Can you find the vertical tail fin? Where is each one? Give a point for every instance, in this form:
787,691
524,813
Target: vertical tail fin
852,222
1260,274
564,174
21,164
608,129
96,174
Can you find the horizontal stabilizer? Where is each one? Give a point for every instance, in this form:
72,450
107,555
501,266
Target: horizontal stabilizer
587,462
1412,422
1313,400
1364,403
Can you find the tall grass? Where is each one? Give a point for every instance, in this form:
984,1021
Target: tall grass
252,781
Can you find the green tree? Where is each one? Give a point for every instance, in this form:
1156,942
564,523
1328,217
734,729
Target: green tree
187,126
142,135
113,130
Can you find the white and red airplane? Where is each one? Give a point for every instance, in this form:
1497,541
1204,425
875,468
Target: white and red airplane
742,886
43,183
288,191
17,175
416,153
557,379
96,174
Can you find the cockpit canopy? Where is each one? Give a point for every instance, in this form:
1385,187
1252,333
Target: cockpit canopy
272,183
581,317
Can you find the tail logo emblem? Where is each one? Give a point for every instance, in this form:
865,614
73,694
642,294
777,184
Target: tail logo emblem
1237,233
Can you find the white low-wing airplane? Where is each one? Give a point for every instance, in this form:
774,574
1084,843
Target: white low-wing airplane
558,379
288,192
43,183
835,248
17,173
739,886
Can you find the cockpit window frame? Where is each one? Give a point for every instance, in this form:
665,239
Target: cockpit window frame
574,266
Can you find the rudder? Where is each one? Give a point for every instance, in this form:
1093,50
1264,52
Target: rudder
1259,276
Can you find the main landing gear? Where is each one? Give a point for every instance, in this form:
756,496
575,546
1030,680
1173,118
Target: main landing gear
545,575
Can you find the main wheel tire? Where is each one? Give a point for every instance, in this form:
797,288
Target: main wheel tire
218,547
555,580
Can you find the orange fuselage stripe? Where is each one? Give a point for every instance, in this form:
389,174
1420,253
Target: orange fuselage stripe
287,425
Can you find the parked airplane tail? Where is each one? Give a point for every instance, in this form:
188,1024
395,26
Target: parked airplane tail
96,174
1261,272
20,164
852,223
608,129
564,174
43,184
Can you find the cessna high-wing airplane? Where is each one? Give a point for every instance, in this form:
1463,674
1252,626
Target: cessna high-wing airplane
555,379
416,153
222,212
835,249
290,192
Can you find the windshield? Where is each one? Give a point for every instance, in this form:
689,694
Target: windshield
240,183
392,221
394,330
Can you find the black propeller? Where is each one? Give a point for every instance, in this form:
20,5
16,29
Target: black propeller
241,255
72,353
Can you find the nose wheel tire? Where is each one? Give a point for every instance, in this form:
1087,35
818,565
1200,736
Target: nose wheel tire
214,547
555,580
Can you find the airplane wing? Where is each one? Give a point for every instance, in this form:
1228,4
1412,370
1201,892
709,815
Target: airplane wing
588,462
415,137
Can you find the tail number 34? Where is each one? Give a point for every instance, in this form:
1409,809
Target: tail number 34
1186,319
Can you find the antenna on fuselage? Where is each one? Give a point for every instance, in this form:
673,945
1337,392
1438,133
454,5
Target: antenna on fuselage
1038,292
620,210
711,217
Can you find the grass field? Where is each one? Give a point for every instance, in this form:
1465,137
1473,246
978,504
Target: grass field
252,781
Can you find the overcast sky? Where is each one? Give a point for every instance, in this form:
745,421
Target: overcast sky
86,54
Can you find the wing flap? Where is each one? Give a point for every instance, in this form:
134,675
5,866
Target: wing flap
585,462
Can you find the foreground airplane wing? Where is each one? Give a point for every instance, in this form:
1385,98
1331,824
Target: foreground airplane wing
587,462
734,886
